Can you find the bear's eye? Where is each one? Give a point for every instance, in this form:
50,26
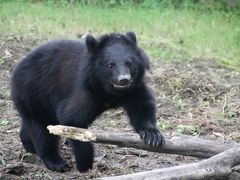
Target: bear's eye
128,63
111,65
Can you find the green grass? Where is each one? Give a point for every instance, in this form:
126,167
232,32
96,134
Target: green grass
165,33
4,122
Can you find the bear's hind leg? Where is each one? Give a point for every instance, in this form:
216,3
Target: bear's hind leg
46,145
26,140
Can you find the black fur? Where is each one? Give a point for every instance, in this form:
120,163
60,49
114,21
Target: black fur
71,83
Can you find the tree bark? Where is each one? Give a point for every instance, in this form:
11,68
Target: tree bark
184,145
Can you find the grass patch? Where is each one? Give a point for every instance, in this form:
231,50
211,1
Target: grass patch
4,122
41,174
165,33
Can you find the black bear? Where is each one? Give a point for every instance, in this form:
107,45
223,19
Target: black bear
71,82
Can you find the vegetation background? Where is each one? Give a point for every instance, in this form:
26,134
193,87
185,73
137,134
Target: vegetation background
168,29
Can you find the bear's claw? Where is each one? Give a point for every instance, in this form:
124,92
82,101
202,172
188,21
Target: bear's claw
152,137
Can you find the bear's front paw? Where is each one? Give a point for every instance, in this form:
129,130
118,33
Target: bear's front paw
152,137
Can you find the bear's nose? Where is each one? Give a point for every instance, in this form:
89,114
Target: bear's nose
124,80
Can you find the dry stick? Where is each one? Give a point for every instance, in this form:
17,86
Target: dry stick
224,104
184,145
220,165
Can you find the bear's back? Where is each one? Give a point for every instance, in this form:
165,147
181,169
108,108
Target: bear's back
47,74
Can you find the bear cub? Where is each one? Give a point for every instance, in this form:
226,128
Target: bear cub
71,82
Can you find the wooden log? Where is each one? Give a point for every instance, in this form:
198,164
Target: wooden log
218,166
184,145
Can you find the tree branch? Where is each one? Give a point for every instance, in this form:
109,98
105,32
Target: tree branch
220,165
184,145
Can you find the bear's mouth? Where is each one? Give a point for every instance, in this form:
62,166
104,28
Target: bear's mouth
118,86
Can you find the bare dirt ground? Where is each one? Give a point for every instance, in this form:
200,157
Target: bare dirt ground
199,98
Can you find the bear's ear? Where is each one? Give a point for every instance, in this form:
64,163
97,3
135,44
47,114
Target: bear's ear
132,37
91,43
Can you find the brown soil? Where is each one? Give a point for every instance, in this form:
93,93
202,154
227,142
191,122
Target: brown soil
198,97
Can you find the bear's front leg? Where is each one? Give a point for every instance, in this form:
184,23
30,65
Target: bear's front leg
80,110
141,109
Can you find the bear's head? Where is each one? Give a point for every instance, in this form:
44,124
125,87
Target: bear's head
118,64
